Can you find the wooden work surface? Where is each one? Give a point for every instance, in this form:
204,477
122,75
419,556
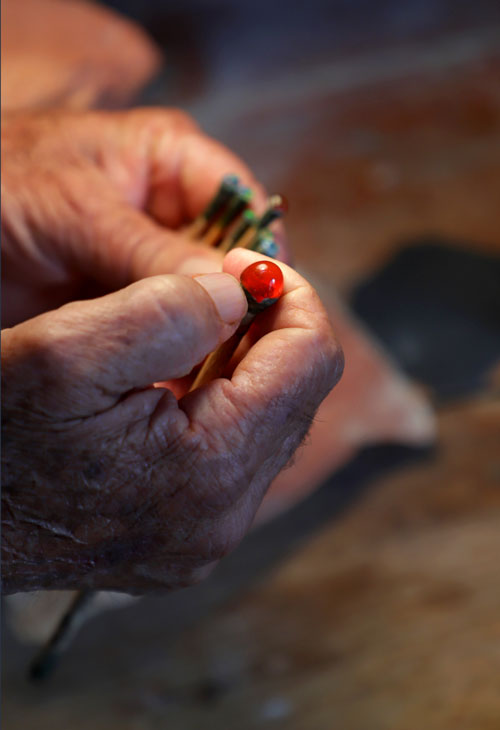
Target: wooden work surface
378,609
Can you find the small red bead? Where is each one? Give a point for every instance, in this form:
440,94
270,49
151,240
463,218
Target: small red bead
263,280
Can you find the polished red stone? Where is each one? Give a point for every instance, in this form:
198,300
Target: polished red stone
263,280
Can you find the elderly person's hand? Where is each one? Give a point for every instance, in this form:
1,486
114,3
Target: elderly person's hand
94,201
111,480
111,483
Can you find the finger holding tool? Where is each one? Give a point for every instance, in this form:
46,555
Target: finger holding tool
262,283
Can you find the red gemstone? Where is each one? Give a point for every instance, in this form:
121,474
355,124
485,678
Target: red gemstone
263,280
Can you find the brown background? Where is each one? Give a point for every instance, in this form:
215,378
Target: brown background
377,604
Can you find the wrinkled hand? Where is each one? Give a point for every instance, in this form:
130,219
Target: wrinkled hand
94,201
113,484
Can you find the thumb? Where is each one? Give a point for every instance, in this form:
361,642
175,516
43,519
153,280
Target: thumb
154,330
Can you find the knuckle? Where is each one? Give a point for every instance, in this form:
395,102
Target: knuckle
154,288
153,297
323,345
158,294
337,364
46,349
330,356
182,305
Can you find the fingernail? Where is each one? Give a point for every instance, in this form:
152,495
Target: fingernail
227,295
199,265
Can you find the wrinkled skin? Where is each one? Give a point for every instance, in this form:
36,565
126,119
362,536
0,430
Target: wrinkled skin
94,201
109,482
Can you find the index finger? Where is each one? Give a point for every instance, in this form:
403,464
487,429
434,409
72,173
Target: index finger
262,413
180,192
